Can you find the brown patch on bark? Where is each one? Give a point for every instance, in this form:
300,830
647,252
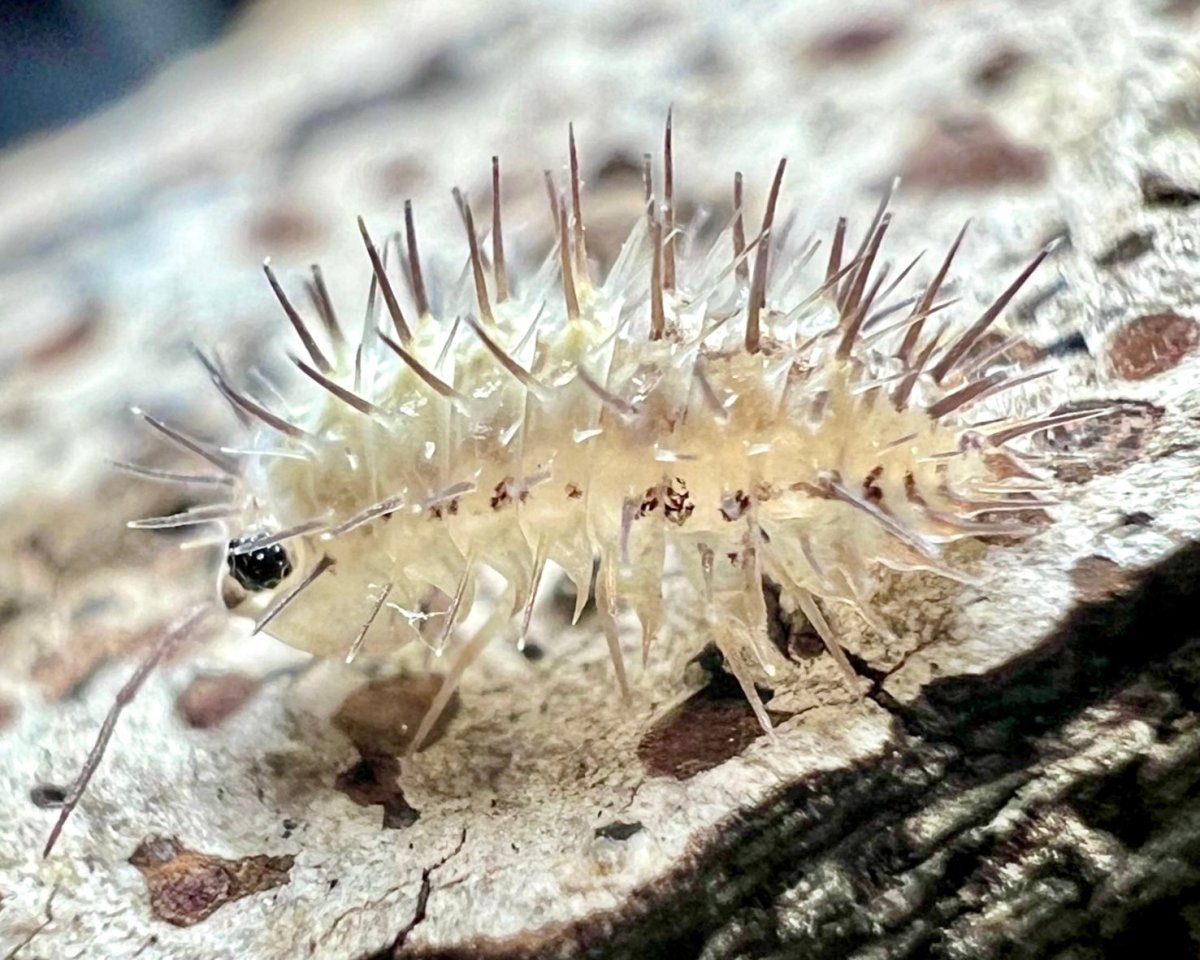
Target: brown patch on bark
1152,344
1097,579
208,701
401,176
8,713
71,338
374,782
999,67
857,41
972,153
710,727
1159,190
186,887
283,228
382,716
1105,444
1129,247
620,167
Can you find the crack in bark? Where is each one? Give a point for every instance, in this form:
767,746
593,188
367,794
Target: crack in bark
424,894
49,912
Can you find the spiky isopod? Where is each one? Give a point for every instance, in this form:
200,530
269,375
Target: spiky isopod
721,407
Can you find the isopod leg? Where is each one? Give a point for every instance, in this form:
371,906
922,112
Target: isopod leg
734,650
466,655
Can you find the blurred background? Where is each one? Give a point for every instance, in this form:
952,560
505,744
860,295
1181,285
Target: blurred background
61,59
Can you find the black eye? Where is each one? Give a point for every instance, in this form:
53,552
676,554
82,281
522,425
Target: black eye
261,569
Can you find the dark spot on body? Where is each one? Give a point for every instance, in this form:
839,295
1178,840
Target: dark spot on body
574,492
649,502
186,886
872,492
501,494
289,825
619,830
911,493
677,502
1152,344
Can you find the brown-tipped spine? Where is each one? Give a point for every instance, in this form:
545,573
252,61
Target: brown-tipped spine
498,236
739,231
434,382
414,262
758,289
668,271
564,261
385,285
922,309
964,343
347,397
580,246
836,249
481,293
319,293
302,330
552,195
658,320
852,315
648,186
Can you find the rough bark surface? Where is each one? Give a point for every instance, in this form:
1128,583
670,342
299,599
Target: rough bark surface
1022,778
